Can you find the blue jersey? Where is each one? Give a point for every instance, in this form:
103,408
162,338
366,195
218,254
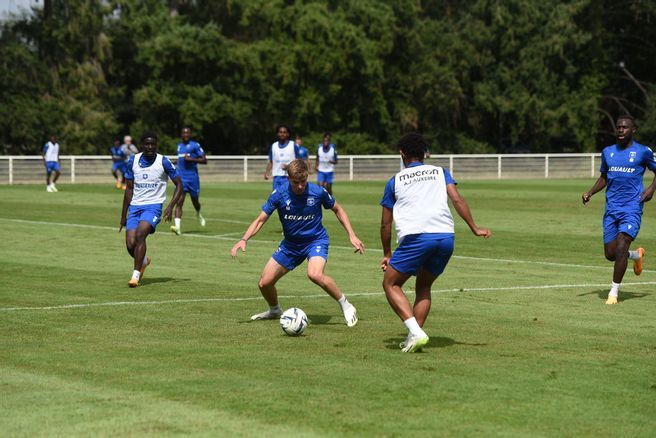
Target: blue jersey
169,168
303,153
300,215
118,153
624,170
189,168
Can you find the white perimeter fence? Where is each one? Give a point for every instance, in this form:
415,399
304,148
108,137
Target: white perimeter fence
234,168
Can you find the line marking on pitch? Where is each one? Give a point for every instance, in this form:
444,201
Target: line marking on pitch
351,294
227,237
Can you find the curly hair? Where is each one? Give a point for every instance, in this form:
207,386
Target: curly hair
413,145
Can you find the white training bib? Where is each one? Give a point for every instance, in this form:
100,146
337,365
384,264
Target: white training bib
421,202
149,182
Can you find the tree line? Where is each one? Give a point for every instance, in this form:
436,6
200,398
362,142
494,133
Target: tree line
478,76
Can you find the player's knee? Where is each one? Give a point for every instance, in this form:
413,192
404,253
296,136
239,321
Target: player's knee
316,277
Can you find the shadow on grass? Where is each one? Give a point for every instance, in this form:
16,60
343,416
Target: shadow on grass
623,296
434,342
154,280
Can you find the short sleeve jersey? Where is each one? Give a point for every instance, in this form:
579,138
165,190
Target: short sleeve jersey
624,170
300,215
150,178
324,158
281,154
418,198
303,153
118,153
189,168
51,151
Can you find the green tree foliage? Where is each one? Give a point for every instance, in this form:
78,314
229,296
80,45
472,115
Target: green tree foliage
476,76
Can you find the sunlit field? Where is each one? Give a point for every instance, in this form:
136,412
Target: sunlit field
521,344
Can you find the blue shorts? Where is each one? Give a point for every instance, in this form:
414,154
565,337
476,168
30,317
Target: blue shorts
118,166
430,251
280,183
325,177
149,213
290,255
52,166
191,185
615,222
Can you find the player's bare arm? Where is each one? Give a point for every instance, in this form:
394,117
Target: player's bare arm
649,191
386,220
200,160
267,171
346,223
177,196
127,198
597,186
252,230
462,208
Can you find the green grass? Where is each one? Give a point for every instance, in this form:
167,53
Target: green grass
521,341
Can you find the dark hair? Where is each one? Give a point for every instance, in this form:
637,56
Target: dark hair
284,126
146,135
413,145
627,117
326,134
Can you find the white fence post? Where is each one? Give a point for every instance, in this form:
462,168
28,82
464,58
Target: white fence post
499,167
453,172
350,168
546,166
592,166
72,170
245,169
11,171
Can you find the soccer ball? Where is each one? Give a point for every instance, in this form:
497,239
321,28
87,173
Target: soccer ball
293,321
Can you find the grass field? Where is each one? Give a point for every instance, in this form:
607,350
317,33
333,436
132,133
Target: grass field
521,341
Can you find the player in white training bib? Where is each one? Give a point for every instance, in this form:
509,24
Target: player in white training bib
146,177
415,199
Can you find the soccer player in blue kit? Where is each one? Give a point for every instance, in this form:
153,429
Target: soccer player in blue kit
118,163
146,174
325,163
303,152
415,199
190,155
622,168
281,153
299,206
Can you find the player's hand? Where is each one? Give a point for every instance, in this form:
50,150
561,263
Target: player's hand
646,195
167,215
237,246
266,176
483,232
121,224
586,197
357,244
384,263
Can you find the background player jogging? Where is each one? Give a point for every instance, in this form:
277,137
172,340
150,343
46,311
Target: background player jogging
622,168
281,153
416,200
325,163
190,155
299,206
146,174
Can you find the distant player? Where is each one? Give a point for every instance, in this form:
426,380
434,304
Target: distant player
118,163
146,174
622,168
299,205
129,148
50,154
190,155
281,153
325,163
303,152
415,199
